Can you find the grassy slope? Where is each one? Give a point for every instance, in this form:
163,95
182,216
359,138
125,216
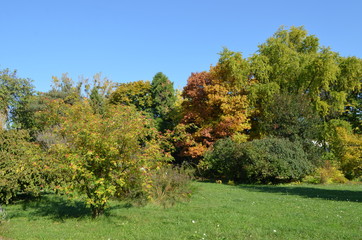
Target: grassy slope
214,212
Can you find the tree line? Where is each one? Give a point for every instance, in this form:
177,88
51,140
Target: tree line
290,112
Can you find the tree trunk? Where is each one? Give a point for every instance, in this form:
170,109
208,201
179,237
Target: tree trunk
97,211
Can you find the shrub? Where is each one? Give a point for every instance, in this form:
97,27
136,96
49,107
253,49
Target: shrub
346,147
103,154
329,173
22,166
269,160
224,161
168,185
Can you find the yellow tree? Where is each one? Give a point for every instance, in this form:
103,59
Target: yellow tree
104,154
136,93
346,147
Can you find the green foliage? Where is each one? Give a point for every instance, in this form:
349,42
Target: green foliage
233,70
295,61
267,160
23,167
13,91
103,153
290,116
33,113
49,113
98,92
65,89
327,174
136,94
224,160
164,98
44,110
97,101
25,113
346,147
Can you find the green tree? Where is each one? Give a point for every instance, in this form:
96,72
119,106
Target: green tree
164,98
13,94
290,116
296,62
30,113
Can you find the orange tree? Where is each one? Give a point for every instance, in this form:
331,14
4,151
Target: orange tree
104,154
215,105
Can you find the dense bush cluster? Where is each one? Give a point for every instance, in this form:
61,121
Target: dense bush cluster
268,160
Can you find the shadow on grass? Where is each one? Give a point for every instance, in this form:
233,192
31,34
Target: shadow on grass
58,208
309,192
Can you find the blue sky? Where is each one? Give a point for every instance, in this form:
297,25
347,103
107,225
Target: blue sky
133,40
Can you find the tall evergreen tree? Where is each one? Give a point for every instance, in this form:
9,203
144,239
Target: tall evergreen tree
164,98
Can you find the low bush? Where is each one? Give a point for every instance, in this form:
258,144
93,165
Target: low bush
22,165
328,173
269,160
346,147
168,185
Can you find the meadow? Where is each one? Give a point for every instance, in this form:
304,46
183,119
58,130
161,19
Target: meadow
215,211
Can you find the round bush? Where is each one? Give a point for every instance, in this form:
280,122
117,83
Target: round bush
269,160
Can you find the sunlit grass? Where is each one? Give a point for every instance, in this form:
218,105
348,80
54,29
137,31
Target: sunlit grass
215,211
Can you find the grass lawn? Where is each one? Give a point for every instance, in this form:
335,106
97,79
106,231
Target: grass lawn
215,211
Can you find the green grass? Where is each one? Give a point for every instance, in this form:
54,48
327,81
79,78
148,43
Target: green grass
215,211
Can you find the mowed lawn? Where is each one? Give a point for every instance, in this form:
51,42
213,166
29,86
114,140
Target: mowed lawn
215,211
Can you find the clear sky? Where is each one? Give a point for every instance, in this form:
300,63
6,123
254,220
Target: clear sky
133,40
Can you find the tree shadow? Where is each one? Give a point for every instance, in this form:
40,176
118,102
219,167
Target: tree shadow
58,208
308,192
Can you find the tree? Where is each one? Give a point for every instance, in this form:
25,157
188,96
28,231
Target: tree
13,92
29,114
290,116
215,104
104,154
164,98
345,146
296,62
98,92
351,69
65,89
136,94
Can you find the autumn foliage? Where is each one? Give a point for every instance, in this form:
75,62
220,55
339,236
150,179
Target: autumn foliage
215,104
291,109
